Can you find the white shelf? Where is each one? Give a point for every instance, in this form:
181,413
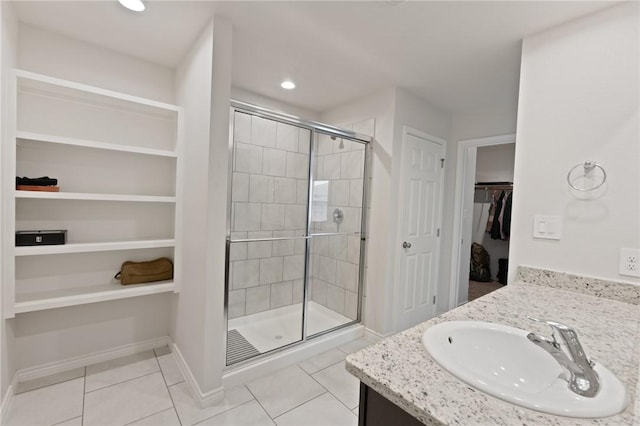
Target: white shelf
39,137
80,296
94,197
71,88
92,247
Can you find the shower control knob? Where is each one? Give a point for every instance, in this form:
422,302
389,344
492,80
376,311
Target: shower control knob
406,245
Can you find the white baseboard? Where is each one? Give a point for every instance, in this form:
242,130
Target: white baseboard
93,358
235,376
202,399
8,400
374,335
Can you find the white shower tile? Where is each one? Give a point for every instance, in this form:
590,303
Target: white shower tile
286,137
352,165
245,273
283,247
319,168
353,249
263,132
297,165
285,190
274,162
351,305
281,294
240,187
270,270
300,246
339,193
238,251
355,193
351,222
258,299
258,249
237,303
273,217
246,216
248,158
302,191
347,275
332,166
293,267
327,269
338,247
319,291
304,140
335,298
261,189
295,217
298,291
324,145
242,127
320,246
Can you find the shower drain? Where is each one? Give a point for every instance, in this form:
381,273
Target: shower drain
278,337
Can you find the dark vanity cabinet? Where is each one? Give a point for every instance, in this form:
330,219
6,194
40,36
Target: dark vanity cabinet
376,410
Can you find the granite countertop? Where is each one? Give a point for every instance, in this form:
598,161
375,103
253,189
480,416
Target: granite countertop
401,370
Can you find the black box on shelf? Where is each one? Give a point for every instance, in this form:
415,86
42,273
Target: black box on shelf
41,238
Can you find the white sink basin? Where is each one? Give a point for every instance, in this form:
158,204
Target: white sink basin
502,362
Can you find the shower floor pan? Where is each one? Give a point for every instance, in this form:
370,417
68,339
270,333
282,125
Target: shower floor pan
275,328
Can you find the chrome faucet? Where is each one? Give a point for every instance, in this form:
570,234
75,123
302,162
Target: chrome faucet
583,379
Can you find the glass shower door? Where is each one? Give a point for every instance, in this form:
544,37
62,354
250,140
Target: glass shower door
336,233
268,235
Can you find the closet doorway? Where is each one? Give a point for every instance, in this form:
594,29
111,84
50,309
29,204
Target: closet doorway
484,188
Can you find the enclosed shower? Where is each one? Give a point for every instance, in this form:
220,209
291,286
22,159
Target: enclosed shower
295,240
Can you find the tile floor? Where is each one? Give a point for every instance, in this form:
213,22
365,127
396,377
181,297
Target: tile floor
148,389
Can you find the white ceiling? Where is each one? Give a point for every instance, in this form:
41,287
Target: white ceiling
457,55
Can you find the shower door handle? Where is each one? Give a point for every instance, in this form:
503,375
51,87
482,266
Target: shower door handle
406,245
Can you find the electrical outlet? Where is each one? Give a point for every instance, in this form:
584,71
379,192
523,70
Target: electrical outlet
629,262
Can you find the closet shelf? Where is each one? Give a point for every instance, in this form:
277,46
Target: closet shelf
94,197
92,247
79,296
31,80
53,139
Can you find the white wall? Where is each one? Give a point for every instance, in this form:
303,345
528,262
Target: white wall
59,56
193,93
8,47
493,120
239,94
381,107
60,334
418,114
495,163
392,109
579,101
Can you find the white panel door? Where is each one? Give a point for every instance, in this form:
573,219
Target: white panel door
420,215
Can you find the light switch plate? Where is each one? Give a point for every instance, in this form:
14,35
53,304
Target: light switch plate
629,262
548,227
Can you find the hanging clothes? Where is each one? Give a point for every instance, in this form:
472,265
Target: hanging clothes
495,227
506,217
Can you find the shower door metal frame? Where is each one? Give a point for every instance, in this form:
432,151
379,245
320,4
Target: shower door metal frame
315,129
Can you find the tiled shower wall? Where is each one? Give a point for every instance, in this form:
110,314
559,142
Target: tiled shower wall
335,259
269,199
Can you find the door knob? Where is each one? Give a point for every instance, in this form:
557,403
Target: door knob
406,245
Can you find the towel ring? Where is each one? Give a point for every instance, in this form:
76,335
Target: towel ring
588,166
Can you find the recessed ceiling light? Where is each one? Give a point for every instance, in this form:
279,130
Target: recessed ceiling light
288,84
135,5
